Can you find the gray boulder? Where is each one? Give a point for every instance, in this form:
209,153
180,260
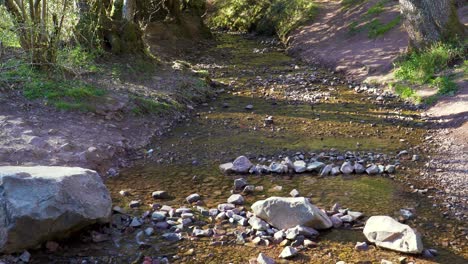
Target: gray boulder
241,164
300,166
41,203
388,233
347,167
288,212
315,166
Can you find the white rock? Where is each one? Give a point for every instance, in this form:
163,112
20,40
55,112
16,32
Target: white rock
257,223
299,166
315,166
287,212
226,167
264,259
37,203
241,164
236,199
288,252
388,233
294,193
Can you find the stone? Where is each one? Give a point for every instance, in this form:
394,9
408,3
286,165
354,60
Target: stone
325,171
240,183
195,197
306,231
225,207
278,168
355,215
384,261
134,204
249,107
388,233
335,171
390,168
373,169
124,192
241,164
309,243
407,214
299,241
172,236
236,199
136,222
287,212
264,259
361,246
279,236
37,203
149,231
257,223
288,252
337,222
158,216
268,120
347,167
299,166
276,188
315,166
248,189
160,195
25,256
347,219
294,193
226,167
341,262
359,168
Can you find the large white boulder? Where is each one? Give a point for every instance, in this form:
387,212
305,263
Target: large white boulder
44,203
288,212
388,233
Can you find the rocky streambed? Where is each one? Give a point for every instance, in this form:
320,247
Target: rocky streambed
176,206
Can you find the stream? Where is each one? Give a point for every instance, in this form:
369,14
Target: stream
313,111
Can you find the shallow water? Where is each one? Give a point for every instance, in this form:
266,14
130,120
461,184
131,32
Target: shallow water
186,160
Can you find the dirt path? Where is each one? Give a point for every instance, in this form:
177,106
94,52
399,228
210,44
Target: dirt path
329,40
448,168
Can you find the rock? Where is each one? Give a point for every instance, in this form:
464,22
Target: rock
407,214
294,193
326,170
249,107
390,168
225,207
315,166
226,167
341,262
136,222
236,199
309,243
373,169
158,216
134,204
288,252
306,231
335,171
172,236
415,157
160,195
299,166
195,197
278,168
337,222
284,213
276,188
361,246
347,219
248,189
241,164
355,215
279,236
336,207
384,261
149,231
268,121
264,259
347,167
25,256
386,232
239,183
124,193
257,223
37,203
359,168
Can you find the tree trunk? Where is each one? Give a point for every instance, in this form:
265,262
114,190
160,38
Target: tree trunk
430,21
128,10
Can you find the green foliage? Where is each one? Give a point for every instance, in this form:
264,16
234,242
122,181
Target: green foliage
7,32
351,3
78,59
262,16
377,28
420,67
406,92
376,9
444,85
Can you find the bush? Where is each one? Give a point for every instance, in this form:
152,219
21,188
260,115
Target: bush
444,85
262,16
420,67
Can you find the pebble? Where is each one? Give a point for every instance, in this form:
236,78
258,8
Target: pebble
195,197
288,252
249,107
236,199
239,183
160,195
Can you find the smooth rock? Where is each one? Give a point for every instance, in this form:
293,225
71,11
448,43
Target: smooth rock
288,252
299,166
373,169
241,164
287,212
347,167
315,166
195,197
359,168
236,199
326,170
37,203
264,259
239,183
388,233
160,195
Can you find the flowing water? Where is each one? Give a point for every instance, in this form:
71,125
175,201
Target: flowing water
186,159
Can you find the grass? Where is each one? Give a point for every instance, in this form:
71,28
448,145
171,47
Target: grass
376,9
263,16
406,92
377,28
151,106
426,67
421,67
350,3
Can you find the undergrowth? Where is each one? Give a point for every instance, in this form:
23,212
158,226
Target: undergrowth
263,16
